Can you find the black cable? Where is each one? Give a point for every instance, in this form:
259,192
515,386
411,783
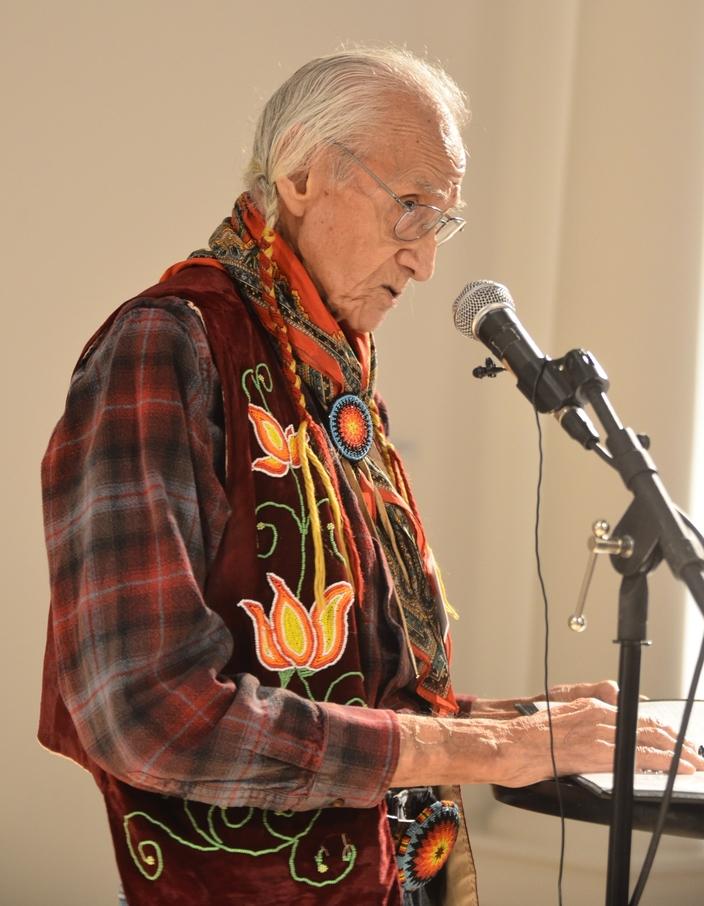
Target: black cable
547,637
671,777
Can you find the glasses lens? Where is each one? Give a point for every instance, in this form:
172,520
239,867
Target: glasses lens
423,218
417,222
448,229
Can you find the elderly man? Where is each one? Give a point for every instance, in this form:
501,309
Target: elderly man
248,634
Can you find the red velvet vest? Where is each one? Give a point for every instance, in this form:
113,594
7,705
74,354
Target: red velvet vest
180,853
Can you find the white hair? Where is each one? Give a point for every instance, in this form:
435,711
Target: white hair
345,98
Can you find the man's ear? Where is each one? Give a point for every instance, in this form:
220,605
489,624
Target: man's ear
295,192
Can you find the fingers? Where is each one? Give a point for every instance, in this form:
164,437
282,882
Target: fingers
652,735
649,759
605,690
656,736
655,742
585,739
598,709
584,733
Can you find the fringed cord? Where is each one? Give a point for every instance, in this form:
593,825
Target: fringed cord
336,512
318,549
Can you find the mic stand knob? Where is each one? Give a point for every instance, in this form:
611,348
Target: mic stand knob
599,542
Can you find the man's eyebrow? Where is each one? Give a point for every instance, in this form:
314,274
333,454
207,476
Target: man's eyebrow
429,189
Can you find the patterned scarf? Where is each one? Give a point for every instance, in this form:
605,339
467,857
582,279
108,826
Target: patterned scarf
331,361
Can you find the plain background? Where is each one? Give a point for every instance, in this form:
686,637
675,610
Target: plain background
125,129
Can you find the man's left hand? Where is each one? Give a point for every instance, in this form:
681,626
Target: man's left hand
605,691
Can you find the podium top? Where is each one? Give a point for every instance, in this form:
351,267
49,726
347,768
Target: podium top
684,819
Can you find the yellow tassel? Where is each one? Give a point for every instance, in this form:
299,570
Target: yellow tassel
268,235
319,553
336,513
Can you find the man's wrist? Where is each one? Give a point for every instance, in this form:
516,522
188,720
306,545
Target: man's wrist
445,750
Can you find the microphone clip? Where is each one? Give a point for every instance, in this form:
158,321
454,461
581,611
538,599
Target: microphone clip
488,369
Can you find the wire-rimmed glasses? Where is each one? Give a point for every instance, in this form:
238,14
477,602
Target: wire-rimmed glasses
417,219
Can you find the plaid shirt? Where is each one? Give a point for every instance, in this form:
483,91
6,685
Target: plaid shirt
134,512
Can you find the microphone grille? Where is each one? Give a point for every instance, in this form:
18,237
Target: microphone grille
474,298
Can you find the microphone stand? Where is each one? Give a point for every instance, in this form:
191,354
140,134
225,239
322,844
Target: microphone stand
657,530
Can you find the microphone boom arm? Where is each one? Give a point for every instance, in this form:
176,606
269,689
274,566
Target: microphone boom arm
680,545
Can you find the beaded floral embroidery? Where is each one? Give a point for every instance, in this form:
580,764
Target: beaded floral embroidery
215,829
290,640
293,640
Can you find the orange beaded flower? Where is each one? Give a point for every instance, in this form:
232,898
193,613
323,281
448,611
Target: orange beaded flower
293,637
279,444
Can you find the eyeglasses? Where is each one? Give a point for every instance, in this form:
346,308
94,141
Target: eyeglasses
417,219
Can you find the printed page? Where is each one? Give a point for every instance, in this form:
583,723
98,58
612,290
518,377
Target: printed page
652,785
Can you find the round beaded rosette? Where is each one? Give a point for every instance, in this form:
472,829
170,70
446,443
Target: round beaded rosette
351,426
426,846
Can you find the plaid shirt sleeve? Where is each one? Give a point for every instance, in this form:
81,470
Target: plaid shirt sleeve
134,511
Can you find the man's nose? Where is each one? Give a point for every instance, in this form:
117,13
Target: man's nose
419,256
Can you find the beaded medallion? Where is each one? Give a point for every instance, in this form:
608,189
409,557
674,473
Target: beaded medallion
426,846
351,426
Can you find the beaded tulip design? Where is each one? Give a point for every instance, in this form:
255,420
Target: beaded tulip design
292,639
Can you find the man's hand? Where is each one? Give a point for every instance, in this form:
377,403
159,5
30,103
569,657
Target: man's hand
516,752
503,708
605,691
584,733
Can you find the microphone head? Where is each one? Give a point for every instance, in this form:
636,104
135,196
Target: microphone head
475,300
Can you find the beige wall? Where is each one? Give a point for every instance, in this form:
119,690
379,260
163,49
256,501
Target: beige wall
124,126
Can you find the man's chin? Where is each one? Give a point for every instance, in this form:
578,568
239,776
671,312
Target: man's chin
364,323
366,317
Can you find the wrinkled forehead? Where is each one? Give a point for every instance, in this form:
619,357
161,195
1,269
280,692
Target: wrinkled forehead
421,150
441,183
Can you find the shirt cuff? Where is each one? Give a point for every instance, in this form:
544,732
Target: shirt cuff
361,750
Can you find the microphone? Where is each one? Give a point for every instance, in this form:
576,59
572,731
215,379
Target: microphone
485,311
